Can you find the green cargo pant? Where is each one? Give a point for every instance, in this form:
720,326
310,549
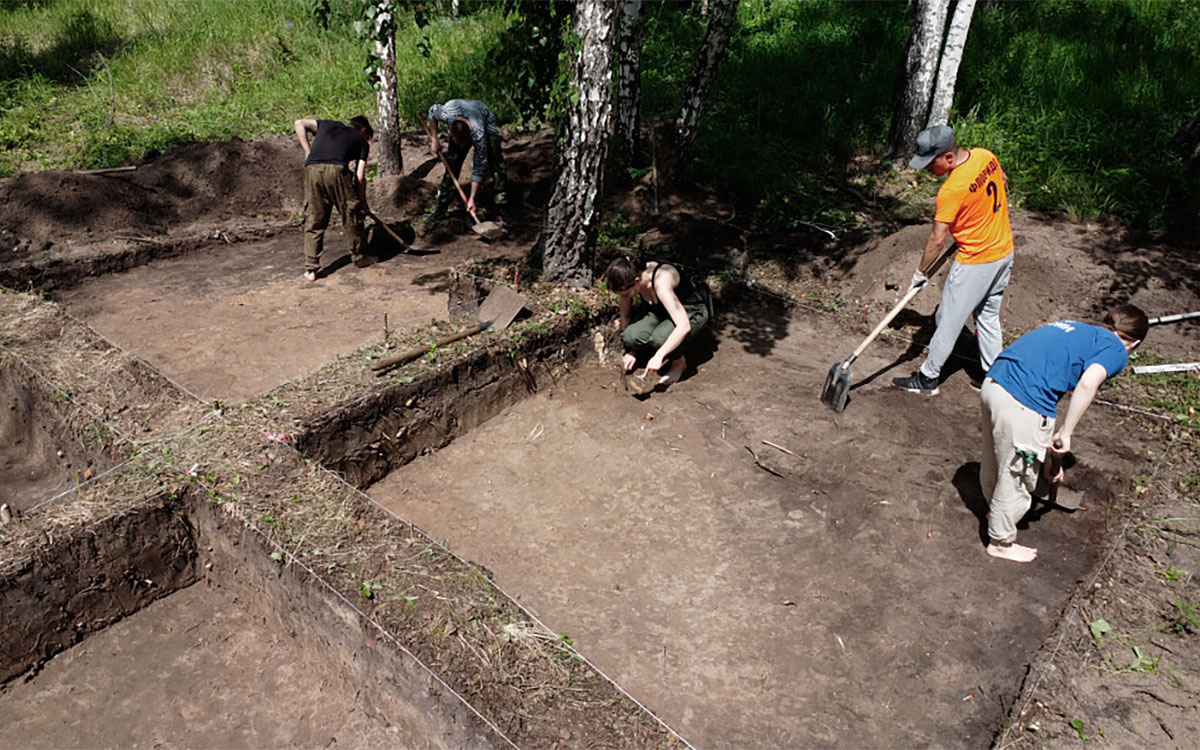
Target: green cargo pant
326,186
455,157
651,325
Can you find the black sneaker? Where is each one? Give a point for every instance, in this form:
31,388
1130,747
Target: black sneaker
917,383
976,383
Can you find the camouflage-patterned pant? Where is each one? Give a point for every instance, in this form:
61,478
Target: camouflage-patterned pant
327,186
455,157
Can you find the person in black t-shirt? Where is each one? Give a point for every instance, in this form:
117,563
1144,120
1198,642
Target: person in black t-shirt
328,182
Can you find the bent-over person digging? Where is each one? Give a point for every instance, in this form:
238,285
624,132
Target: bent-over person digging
1020,401
328,182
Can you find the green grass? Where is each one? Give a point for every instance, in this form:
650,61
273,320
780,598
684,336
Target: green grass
89,83
1078,99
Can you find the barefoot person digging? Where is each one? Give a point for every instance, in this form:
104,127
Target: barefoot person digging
1020,399
673,308
329,183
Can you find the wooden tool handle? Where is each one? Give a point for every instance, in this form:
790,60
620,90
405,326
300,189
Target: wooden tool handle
386,228
409,355
449,172
912,292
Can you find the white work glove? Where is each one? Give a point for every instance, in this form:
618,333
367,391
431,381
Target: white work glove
918,280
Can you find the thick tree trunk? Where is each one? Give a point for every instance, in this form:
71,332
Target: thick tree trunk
629,83
952,52
673,146
390,159
923,48
568,238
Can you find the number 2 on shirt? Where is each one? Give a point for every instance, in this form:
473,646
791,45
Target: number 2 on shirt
994,191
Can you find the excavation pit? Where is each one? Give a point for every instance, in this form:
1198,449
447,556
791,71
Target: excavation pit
47,445
754,568
172,624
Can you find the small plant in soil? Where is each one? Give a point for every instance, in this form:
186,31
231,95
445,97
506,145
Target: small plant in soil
1171,574
1141,663
1186,618
1099,628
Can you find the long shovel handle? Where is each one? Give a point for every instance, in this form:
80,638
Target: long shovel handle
417,351
386,228
912,292
449,172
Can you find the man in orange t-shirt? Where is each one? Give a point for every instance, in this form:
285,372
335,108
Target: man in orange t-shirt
972,207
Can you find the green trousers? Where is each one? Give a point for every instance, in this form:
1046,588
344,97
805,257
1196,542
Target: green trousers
651,325
455,157
327,186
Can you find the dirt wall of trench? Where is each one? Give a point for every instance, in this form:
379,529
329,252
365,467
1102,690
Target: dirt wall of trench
346,648
365,439
100,573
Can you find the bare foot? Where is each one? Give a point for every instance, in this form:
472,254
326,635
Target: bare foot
1014,552
310,275
675,373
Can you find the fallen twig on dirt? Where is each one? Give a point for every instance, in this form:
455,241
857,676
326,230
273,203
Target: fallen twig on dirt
763,466
781,448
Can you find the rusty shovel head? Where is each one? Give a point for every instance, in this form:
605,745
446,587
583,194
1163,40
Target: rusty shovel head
502,304
488,230
836,392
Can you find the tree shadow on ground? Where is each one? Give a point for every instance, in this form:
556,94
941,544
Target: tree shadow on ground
755,321
1138,262
80,43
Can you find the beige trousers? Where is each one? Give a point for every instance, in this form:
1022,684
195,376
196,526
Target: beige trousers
1015,439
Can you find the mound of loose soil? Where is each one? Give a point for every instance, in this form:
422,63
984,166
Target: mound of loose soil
230,183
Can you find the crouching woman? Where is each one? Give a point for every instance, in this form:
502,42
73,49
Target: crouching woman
672,308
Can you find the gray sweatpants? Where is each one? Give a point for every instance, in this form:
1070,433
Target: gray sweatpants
970,291
1007,476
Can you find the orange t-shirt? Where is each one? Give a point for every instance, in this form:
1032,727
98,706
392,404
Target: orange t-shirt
974,202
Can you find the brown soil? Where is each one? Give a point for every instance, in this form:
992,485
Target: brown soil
834,595
39,457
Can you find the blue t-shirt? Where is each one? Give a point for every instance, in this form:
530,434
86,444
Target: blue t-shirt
1038,368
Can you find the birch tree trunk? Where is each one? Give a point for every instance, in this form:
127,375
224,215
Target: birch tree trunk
952,52
390,159
629,83
568,239
911,106
674,145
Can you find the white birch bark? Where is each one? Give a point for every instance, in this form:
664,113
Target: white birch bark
568,238
952,52
923,49
390,159
629,83
722,15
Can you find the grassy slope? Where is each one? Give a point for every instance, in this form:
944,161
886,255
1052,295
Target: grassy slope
1078,99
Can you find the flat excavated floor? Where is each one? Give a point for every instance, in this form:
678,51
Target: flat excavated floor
195,669
839,596
232,321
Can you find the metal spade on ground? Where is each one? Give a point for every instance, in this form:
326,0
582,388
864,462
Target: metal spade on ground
836,392
497,311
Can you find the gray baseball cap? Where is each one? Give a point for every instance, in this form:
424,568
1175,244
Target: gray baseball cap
932,143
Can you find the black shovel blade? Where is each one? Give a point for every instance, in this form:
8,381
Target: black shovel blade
836,392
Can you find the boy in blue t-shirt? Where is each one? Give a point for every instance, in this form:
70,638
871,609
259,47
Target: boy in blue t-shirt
1020,399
